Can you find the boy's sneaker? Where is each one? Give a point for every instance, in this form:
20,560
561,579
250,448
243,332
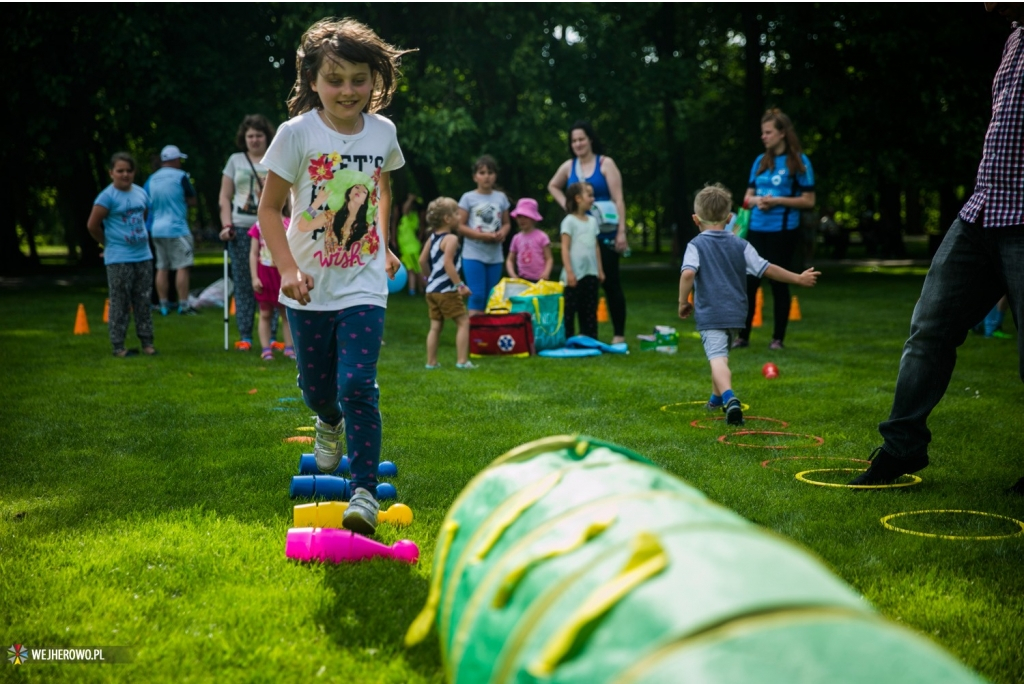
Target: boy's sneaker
361,514
327,447
734,413
714,407
776,345
740,342
467,365
187,311
886,468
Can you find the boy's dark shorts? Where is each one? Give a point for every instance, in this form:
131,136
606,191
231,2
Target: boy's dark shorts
443,306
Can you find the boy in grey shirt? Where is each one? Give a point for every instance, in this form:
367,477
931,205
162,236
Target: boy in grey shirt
718,263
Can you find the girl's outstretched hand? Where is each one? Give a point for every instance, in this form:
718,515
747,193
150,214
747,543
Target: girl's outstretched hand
392,264
297,285
809,278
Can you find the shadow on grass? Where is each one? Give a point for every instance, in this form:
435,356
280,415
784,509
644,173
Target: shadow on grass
376,601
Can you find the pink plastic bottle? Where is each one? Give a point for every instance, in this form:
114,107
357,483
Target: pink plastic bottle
328,544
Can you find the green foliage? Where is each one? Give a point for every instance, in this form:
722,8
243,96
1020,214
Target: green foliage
888,100
143,502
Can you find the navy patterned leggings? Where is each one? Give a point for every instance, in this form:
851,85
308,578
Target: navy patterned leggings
130,285
337,355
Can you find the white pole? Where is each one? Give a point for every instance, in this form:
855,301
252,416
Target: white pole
226,318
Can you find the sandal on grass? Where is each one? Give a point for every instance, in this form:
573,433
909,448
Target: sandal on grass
121,354
267,354
149,350
243,345
289,352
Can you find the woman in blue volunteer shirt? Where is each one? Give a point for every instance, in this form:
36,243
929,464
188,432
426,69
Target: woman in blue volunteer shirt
781,184
589,164
118,223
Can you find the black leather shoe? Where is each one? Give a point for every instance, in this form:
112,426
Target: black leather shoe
886,468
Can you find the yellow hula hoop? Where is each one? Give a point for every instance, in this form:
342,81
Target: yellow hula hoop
802,478
885,522
744,407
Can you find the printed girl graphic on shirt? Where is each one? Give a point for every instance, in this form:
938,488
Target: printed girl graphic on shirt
342,213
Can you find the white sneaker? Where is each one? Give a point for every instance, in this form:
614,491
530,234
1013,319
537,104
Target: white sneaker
467,365
327,448
361,514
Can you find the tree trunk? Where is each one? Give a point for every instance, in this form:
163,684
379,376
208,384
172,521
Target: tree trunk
12,261
890,228
753,83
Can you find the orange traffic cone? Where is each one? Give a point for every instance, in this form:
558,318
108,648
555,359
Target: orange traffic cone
602,311
794,310
106,312
232,310
81,323
758,304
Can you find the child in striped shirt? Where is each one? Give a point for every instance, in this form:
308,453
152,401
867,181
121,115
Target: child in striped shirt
441,261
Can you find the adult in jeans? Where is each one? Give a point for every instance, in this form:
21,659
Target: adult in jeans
588,164
979,260
240,189
781,184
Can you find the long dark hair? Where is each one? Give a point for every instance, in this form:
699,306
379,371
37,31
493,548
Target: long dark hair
359,226
783,124
595,142
354,42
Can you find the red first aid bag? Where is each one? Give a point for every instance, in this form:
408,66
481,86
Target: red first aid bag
509,335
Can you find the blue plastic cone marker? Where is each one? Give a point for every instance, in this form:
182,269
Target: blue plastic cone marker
307,467
386,491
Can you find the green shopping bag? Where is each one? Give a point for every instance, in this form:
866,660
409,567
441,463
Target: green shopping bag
548,312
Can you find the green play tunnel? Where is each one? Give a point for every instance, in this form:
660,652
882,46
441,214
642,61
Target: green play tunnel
572,560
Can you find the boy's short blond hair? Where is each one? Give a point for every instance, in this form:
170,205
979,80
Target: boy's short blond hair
440,209
713,204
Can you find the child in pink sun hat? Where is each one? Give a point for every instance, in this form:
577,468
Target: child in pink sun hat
529,255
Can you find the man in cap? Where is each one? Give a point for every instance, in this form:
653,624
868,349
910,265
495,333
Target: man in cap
172,193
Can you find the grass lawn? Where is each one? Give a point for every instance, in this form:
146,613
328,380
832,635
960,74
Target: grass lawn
144,502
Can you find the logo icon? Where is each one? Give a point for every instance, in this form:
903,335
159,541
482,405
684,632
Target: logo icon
506,343
18,654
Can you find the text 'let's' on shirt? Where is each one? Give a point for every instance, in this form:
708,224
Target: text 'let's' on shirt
335,197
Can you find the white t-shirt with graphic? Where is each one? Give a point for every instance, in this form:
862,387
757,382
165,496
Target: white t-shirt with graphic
485,212
335,196
248,188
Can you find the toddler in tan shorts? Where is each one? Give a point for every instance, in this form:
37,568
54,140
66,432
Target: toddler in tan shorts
441,261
